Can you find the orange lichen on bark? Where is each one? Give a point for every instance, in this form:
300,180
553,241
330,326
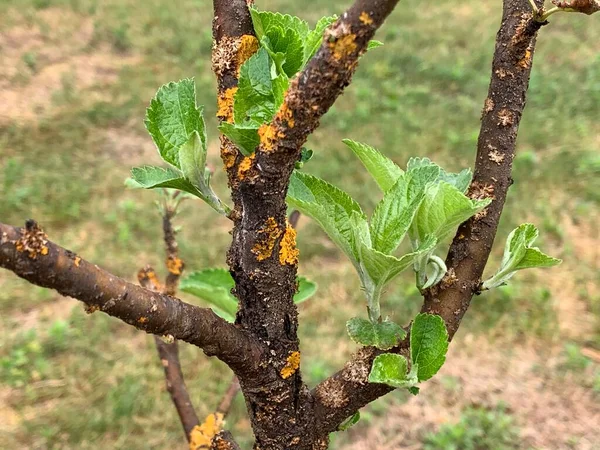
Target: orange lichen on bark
268,136
33,240
248,46
288,252
142,319
291,366
202,435
365,18
525,62
225,104
285,114
343,46
263,249
228,153
245,166
174,265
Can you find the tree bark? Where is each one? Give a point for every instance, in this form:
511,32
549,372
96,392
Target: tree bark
341,395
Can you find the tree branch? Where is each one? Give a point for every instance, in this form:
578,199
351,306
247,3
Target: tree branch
29,254
224,441
344,393
263,247
169,357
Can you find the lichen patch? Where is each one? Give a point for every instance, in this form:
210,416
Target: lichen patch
268,137
248,46
505,118
33,240
288,252
496,156
269,233
202,435
342,47
245,166
291,366
225,104
286,115
365,18
174,265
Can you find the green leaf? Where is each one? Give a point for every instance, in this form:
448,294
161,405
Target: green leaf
315,37
394,214
428,344
151,177
382,169
459,180
264,21
442,210
287,43
382,268
254,101
284,37
172,117
329,206
192,159
306,289
349,422
390,369
383,335
214,287
305,156
519,254
374,44
244,137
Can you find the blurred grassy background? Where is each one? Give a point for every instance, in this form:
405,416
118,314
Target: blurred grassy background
75,79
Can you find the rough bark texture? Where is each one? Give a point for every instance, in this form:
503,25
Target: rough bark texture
29,254
347,391
263,255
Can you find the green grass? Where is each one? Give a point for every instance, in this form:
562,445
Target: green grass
477,429
82,381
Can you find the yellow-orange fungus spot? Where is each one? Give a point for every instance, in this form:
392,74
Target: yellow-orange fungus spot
228,153
174,265
202,435
268,136
77,261
225,104
270,232
33,240
248,46
291,365
286,114
344,46
142,320
288,252
525,63
245,166
365,18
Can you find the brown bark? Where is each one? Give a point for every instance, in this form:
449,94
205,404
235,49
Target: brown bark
29,254
263,257
344,393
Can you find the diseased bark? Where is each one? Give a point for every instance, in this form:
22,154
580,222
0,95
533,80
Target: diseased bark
263,256
344,393
29,254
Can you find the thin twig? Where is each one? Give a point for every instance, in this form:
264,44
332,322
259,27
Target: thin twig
227,400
